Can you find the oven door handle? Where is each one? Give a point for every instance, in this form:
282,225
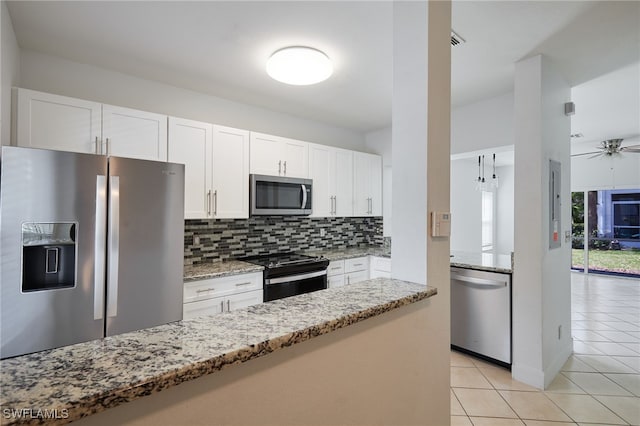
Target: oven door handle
290,278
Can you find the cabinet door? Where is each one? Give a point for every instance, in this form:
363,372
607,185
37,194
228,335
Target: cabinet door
375,184
203,307
265,155
230,173
320,170
296,158
243,300
343,204
134,134
335,281
57,122
356,277
361,184
190,143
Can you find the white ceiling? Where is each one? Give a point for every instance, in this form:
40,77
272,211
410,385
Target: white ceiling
220,48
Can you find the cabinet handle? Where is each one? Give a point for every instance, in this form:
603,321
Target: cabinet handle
205,290
228,305
241,284
285,168
222,306
335,268
108,147
215,202
280,167
348,279
335,204
357,264
97,146
209,203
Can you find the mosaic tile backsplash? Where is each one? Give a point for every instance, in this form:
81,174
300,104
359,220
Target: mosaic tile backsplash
233,238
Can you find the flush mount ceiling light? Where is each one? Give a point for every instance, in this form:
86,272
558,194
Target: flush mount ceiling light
299,65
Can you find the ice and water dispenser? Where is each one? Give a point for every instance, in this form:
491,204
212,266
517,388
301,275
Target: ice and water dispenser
48,256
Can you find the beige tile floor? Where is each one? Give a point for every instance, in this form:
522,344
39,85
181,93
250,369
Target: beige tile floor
599,384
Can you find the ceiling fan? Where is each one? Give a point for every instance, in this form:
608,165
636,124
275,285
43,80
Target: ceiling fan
611,147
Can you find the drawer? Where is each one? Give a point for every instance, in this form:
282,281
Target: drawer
335,281
356,264
223,286
381,264
204,307
356,277
335,268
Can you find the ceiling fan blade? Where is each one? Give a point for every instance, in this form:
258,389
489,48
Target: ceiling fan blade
596,155
631,148
586,153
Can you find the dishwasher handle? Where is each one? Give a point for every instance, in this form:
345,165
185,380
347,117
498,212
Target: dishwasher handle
481,281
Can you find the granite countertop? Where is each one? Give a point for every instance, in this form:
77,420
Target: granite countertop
482,261
218,269
350,252
90,377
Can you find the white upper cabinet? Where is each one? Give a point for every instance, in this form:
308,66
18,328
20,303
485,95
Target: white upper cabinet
230,172
216,160
134,134
61,123
278,156
367,184
57,122
322,171
332,172
191,144
343,201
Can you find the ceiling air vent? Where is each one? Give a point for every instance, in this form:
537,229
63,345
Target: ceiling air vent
456,39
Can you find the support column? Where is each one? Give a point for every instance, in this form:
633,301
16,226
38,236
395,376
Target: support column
541,279
421,160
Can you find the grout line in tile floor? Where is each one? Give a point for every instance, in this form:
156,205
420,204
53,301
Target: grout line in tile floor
599,384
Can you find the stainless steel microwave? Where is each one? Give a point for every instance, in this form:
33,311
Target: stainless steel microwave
276,195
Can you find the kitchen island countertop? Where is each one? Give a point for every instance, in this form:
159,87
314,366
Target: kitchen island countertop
482,261
83,379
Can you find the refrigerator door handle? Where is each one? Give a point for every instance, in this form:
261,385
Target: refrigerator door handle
114,246
99,247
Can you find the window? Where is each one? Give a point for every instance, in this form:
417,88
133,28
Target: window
487,221
626,217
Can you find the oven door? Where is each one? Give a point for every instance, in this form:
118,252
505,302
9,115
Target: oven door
273,195
291,285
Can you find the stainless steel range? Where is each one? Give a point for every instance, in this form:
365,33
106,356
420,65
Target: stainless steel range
289,274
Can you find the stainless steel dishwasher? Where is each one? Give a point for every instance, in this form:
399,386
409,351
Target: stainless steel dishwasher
481,314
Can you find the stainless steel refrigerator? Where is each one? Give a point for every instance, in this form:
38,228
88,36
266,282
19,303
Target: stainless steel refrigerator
90,246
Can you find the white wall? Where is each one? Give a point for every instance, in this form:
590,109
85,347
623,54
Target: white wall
505,209
482,125
56,75
379,142
10,72
466,214
542,281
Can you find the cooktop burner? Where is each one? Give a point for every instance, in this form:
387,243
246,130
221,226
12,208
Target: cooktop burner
279,260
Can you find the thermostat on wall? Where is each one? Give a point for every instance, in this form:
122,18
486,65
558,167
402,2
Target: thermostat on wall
440,224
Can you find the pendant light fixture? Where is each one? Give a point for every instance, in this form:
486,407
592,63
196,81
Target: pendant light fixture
481,184
299,66
494,180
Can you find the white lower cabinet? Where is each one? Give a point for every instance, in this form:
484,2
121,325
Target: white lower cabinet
349,271
215,295
380,267
335,274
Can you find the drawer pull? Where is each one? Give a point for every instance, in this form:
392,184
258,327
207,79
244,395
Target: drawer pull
241,284
335,268
205,290
357,264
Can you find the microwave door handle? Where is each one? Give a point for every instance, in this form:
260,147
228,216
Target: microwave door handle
304,196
